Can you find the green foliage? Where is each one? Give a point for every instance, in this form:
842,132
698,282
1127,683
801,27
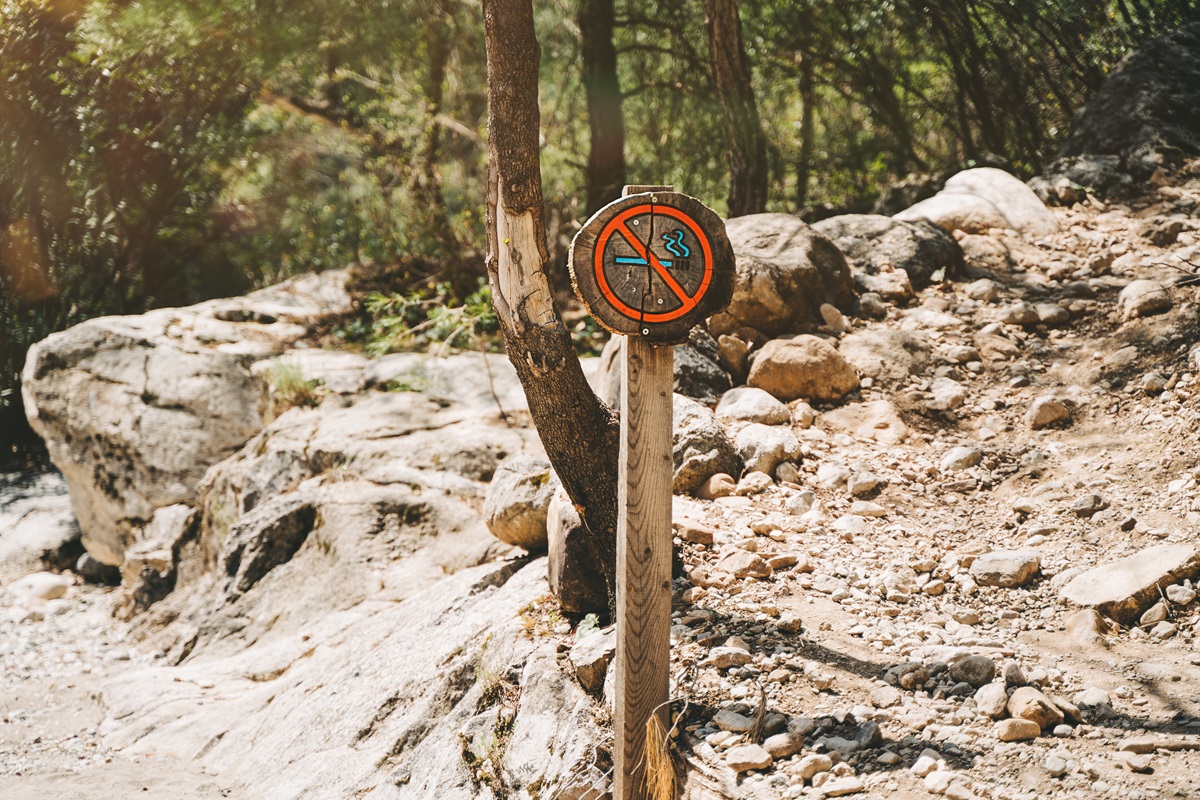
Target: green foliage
425,319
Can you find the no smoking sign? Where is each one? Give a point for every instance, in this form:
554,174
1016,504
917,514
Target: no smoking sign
653,265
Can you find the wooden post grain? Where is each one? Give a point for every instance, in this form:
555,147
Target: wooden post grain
644,542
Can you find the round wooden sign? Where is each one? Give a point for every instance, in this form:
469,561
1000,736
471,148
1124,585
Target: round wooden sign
654,264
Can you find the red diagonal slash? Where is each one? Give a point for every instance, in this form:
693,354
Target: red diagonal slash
644,252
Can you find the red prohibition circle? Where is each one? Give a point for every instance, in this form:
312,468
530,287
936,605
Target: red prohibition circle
617,225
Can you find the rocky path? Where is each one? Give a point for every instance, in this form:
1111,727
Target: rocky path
54,659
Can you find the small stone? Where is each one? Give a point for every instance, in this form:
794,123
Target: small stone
1028,703
885,697
746,757
924,765
960,458
1134,762
1164,630
1055,765
1052,314
1014,675
1142,298
753,483
695,532
1006,568
992,700
743,564
1088,505
1047,411
975,670
1138,744
747,404
731,721
40,586
1063,731
862,483
782,745
591,655
1020,313
813,764
1017,730
1181,595
843,786
948,395
863,508
725,657
1156,613
888,758
719,485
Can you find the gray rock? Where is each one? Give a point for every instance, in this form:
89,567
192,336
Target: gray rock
743,564
782,745
1045,412
960,458
264,539
752,405
732,721
1142,298
746,757
785,273
976,200
700,446
1006,568
887,357
805,367
1017,730
517,501
764,447
591,655
875,244
699,373
135,410
1181,595
1153,615
38,530
877,419
1088,505
992,700
976,670
148,572
571,572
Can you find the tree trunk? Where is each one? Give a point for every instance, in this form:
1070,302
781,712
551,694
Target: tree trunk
606,157
743,131
580,433
804,163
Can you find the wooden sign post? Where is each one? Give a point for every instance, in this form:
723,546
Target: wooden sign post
650,267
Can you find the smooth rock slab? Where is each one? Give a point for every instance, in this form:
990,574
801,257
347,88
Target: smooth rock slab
1124,589
1006,568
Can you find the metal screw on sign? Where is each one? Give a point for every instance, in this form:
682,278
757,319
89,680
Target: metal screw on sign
649,266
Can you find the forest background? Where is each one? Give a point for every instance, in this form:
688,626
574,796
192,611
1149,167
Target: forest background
158,153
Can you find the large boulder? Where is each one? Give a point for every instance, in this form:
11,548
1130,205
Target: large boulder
1146,115
700,446
977,200
134,410
785,272
573,568
699,372
517,500
877,245
1124,589
805,367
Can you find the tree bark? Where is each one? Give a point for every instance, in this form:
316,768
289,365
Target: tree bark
579,432
606,155
747,146
808,97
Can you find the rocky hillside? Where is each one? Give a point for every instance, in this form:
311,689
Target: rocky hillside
937,497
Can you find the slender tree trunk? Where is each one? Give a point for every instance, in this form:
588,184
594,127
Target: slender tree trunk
606,157
580,433
804,163
743,130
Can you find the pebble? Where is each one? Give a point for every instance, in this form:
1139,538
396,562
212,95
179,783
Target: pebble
812,765
1047,411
